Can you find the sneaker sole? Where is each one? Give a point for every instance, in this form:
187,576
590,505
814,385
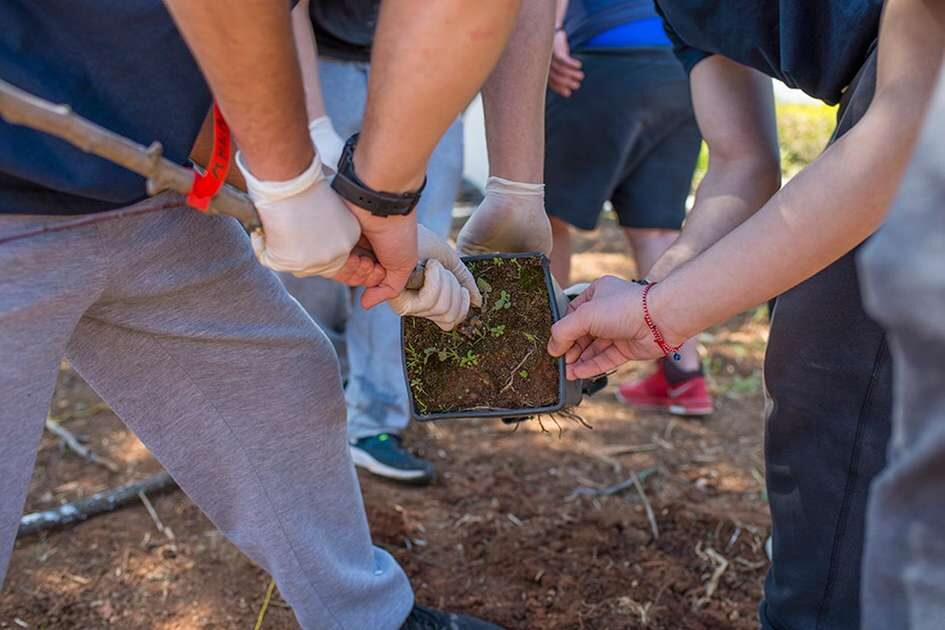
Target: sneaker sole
368,463
676,410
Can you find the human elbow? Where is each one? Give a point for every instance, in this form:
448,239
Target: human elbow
759,165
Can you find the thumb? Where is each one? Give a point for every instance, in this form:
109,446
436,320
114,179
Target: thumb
393,283
467,281
568,330
431,246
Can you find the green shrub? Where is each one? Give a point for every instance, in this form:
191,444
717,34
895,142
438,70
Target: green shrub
803,132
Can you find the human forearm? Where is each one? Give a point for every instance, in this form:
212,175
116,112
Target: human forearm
511,217
730,193
561,9
823,213
246,53
734,107
833,204
514,97
428,61
308,59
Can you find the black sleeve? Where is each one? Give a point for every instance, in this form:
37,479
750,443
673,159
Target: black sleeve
687,55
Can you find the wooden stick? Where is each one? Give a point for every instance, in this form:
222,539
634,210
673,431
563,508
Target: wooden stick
620,486
158,523
650,516
94,505
73,443
18,107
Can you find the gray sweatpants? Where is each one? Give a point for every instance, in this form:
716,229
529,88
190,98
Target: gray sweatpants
903,278
204,355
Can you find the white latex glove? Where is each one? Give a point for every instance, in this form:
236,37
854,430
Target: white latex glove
307,228
327,141
448,286
511,218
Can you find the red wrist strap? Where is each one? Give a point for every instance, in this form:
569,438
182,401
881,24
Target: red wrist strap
207,185
658,337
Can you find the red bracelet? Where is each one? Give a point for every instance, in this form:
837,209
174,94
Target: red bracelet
206,186
658,337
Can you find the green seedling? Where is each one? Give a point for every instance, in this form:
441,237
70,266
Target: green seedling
497,331
504,302
518,267
484,286
469,359
414,360
523,373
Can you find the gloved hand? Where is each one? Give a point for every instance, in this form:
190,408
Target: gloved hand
448,286
327,141
307,229
511,218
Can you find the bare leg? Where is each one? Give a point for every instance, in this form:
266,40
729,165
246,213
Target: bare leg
648,244
561,252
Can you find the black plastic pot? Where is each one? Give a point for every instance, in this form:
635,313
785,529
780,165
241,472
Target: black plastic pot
569,392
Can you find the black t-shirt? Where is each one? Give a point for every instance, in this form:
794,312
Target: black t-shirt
814,45
344,29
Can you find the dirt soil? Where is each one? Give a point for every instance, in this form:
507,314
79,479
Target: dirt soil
511,531
496,359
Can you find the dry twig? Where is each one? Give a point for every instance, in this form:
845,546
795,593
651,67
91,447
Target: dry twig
646,506
73,443
721,565
265,605
632,449
158,523
515,371
94,505
614,488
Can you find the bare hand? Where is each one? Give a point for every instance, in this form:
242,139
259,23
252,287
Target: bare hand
603,329
361,269
565,74
393,240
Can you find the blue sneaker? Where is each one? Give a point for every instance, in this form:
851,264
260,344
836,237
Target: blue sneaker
385,456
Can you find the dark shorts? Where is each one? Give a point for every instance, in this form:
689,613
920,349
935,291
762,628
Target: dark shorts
628,136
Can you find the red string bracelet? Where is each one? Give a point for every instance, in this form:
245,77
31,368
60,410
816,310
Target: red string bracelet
206,186
658,337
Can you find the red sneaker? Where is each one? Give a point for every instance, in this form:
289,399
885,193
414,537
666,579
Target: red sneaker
655,393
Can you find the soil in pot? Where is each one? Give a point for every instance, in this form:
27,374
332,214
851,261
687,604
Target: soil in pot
497,358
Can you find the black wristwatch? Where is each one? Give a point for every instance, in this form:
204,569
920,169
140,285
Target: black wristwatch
381,204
